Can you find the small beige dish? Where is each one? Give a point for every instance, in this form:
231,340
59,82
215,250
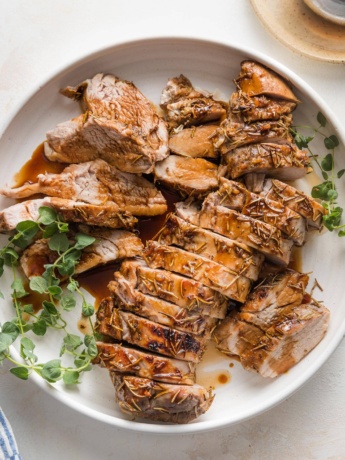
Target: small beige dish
294,24
331,10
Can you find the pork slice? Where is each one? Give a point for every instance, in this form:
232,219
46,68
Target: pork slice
177,88
184,292
139,331
71,211
97,183
234,132
195,142
237,257
158,401
263,237
158,310
186,106
255,108
131,361
194,111
256,79
110,246
190,176
296,200
236,196
285,162
197,267
120,125
279,290
273,349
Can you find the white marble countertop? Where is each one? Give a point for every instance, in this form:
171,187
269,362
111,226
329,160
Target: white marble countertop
37,38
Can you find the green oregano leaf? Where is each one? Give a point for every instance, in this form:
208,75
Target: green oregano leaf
39,284
47,215
68,302
83,240
20,372
321,119
26,230
87,309
18,288
71,377
327,163
51,371
39,327
59,242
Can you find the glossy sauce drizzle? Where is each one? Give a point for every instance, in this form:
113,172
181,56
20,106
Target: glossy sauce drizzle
38,164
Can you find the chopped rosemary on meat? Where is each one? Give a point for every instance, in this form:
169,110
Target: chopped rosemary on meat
55,300
326,191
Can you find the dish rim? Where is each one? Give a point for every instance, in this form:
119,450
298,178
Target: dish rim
275,399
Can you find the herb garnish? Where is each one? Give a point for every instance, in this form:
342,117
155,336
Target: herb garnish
325,191
68,253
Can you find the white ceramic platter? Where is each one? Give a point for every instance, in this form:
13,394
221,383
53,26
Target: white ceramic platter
211,66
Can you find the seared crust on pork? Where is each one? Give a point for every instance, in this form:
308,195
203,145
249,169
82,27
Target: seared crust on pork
256,79
163,402
236,196
197,267
184,292
258,235
237,257
159,310
296,200
139,331
255,108
131,361
282,161
186,106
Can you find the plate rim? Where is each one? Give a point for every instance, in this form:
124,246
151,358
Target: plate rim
207,425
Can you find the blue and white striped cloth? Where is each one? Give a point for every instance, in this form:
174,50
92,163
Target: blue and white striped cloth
8,445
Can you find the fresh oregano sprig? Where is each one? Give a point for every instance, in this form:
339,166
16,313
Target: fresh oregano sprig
326,191
67,252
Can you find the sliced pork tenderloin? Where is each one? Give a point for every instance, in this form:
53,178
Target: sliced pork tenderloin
296,200
263,237
120,126
256,79
97,183
189,176
195,142
132,361
110,246
106,215
139,397
236,196
281,161
276,291
185,106
184,292
256,108
234,132
274,348
158,310
208,272
139,331
237,257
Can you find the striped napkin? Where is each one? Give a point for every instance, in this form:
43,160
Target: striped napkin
8,445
